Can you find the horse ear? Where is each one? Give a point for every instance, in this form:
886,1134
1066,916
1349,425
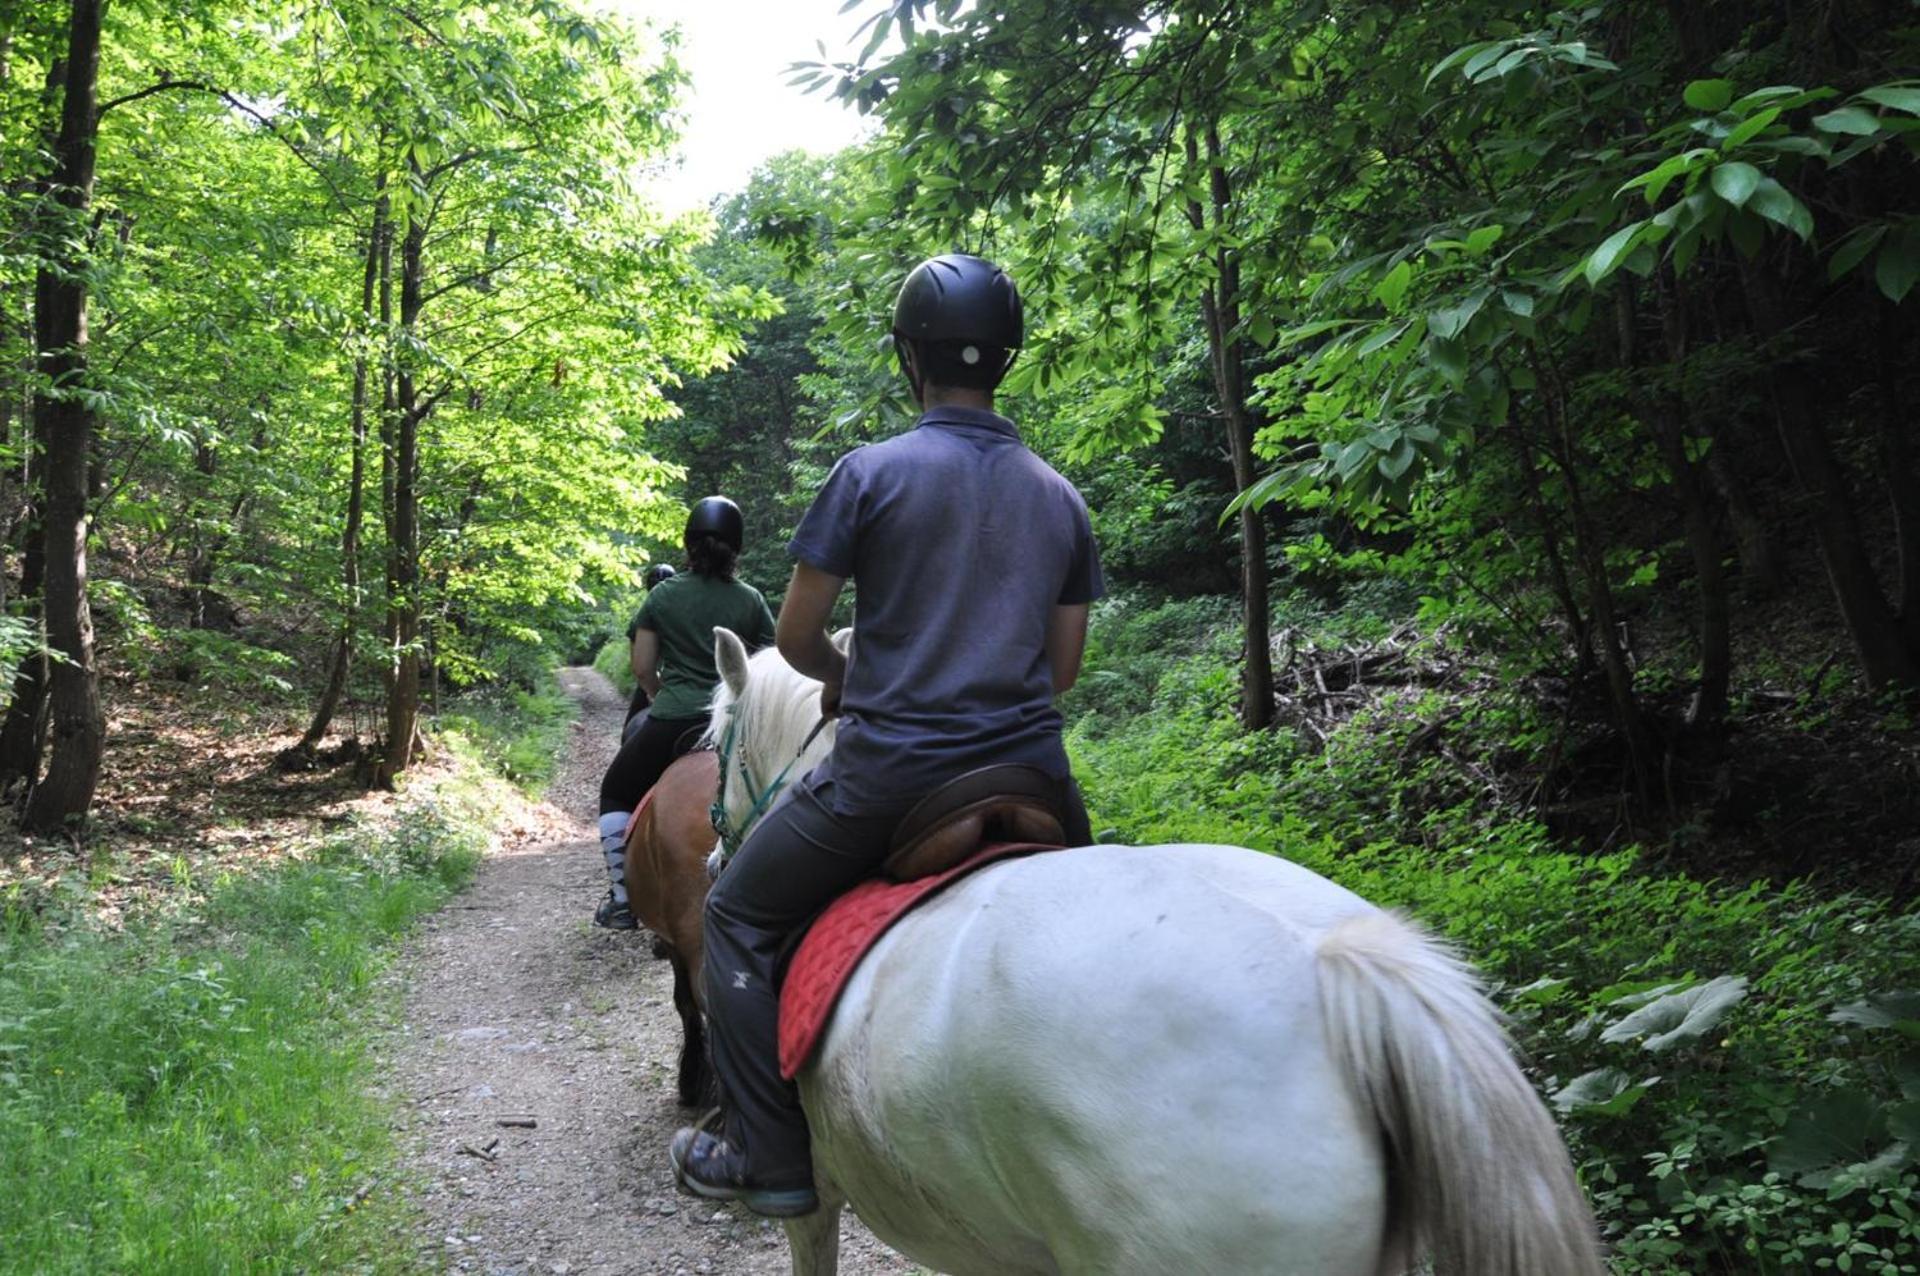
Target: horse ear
730,654
842,640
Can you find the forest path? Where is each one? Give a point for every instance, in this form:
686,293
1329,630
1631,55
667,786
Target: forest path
518,1007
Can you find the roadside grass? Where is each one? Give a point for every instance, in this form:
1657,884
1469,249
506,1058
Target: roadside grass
612,661
517,733
190,1092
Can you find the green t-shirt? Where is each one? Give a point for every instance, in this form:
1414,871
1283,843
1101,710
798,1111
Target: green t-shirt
683,610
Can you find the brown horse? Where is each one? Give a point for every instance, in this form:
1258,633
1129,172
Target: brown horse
667,850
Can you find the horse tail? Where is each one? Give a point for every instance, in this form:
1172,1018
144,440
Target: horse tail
1481,1180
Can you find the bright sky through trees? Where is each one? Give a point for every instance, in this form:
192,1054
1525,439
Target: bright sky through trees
741,109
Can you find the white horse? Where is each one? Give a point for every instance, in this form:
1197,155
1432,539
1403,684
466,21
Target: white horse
1160,1060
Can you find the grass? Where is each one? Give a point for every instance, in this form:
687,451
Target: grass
515,733
613,661
191,1093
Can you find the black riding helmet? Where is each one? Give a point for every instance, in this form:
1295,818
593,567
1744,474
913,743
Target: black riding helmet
719,517
657,573
963,316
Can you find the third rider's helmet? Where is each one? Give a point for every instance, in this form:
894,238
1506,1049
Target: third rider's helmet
719,517
963,313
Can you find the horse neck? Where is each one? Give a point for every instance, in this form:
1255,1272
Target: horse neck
771,725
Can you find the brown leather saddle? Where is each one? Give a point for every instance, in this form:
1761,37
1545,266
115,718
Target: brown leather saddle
1011,802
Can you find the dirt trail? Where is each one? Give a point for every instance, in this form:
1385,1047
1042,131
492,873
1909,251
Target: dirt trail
517,1007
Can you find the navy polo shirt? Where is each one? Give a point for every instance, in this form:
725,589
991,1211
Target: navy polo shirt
960,542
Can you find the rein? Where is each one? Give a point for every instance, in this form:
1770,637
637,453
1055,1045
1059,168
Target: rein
730,838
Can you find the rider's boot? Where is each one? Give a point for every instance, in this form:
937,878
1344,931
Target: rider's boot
709,1167
613,912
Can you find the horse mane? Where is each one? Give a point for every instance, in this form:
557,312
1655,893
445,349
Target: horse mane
770,720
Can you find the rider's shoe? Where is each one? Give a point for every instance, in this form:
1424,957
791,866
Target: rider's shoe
613,915
707,1167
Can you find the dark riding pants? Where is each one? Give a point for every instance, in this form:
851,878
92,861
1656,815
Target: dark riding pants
644,758
796,861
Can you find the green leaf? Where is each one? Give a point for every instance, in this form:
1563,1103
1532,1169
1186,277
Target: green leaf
1683,1016
1449,359
1899,1011
1603,1092
1897,267
1445,64
1751,128
1354,457
1735,182
1484,238
1899,97
1833,1133
1709,95
1450,321
1607,257
1775,203
1747,232
1392,289
1380,338
1849,119
1394,465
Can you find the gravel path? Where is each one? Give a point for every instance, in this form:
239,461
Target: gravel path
518,1008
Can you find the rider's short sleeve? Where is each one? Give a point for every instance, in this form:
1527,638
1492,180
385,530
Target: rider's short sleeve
1084,582
830,528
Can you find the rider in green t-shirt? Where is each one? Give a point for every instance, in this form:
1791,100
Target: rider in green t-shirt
672,654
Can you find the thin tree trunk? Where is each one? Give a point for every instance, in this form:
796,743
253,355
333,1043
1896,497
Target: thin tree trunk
376,267
24,733
403,541
1220,306
1902,478
1668,418
1558,578
1753,541
1885,658
1589,550
78,728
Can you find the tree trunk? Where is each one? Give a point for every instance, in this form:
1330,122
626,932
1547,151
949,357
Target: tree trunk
1220,306
78,728
1760,570
376,267
1885,658
23,736
1667,413
1559,580
1902,478
1590,551
403,533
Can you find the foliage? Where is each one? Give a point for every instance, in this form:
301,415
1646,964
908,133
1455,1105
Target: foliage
1735,1066
614,662
515,733
186,1095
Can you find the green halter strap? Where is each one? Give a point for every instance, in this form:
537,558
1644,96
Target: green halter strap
730,838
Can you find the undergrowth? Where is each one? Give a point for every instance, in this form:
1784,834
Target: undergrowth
613,661
189,1093
1735,1066
518,733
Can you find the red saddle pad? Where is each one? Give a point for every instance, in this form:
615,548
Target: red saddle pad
841,936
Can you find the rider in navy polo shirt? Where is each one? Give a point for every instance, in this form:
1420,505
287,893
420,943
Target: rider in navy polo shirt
974,566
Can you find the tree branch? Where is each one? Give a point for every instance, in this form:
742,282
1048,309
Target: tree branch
238,105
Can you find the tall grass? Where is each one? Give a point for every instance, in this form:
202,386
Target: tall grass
191,1093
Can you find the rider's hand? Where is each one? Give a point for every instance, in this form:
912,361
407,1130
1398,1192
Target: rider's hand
829,699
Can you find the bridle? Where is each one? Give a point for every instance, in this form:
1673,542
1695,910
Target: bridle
731,838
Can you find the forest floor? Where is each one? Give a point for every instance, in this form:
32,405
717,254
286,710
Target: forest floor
518,1009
